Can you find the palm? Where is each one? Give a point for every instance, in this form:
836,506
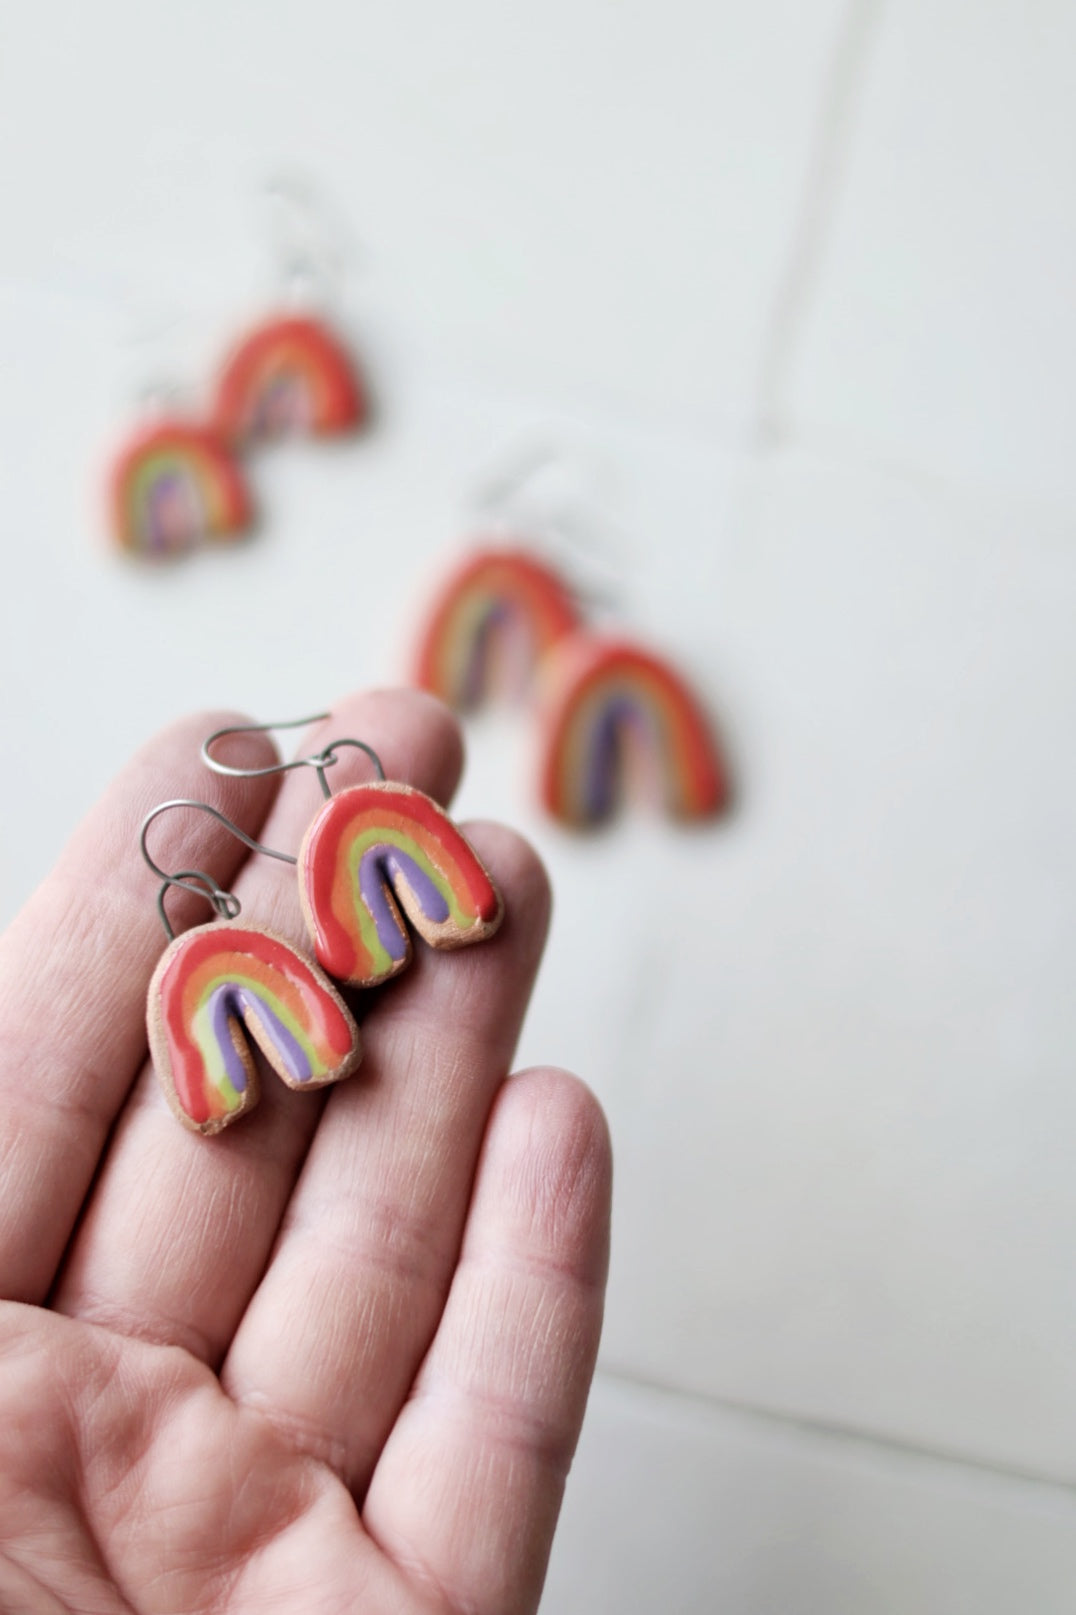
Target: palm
248,1522
336,1358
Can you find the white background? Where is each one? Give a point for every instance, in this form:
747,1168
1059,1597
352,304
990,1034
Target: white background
794,288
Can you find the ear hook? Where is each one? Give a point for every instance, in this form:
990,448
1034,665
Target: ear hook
226,904
571,536
153,378
306,240
320,761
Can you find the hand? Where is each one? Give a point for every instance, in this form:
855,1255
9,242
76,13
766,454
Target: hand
336,1358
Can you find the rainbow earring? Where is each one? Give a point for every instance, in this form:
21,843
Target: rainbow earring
219,981
373,855
500,610
495,617
611,715
291,374
174,486
606,701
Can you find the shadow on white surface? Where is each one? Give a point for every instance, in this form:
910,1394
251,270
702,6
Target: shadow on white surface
676,1507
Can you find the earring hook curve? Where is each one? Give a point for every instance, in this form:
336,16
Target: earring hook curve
226,904
320,761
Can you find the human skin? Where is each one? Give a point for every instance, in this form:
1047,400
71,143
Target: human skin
336,1358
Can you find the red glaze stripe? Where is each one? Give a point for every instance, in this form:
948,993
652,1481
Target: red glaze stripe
208,456
513,578
405,810
296,343
192,969
205,955
695,777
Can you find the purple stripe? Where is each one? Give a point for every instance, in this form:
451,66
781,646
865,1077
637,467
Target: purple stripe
602,767
233,1002
173,511
223,1009
476,669
379,867
601,763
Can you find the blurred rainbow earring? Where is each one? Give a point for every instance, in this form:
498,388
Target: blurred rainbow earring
222,986
503,605
173,487
291,374
614,719
288,376
496,614
373,855
614,713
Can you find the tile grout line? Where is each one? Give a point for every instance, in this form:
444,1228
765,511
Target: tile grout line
825,170
844,1434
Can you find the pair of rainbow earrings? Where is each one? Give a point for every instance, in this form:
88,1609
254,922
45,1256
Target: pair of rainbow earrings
371,851
505,617
179,483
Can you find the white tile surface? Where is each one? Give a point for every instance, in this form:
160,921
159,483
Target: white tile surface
592,198
675,1507
941,330
834,1036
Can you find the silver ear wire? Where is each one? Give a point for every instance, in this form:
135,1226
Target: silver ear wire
329,756
320,760
225,904
566,532
306,240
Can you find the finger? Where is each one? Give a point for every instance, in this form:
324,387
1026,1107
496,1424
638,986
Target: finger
466,1495
206,1210
74,966
332,1338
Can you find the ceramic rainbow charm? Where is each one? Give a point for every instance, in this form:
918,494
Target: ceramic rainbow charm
290,375
605,696
174,486
376,849
218,977
494,619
